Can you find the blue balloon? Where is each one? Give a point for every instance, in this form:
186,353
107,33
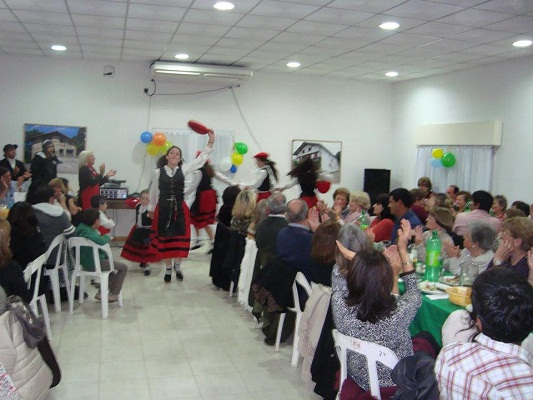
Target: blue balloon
146,137
233,169
436,162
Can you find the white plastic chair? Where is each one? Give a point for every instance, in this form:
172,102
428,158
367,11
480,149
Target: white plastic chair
373,353
300,280
60,265
34,268
75,244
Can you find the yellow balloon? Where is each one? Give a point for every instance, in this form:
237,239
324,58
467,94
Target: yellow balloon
437,153
236,159
152,149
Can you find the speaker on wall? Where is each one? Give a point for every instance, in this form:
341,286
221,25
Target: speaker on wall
377,181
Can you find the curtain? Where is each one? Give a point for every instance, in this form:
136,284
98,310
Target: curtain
472,170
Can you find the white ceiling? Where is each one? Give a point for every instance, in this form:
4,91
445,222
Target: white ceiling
337,38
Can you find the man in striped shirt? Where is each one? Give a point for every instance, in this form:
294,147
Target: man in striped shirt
493,366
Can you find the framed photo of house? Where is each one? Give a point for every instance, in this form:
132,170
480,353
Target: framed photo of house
69,142
327,154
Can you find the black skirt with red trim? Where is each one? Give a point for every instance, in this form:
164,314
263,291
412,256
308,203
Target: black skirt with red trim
137,246
163,247
206,209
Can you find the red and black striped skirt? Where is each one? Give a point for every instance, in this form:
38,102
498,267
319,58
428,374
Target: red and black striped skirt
207,207
137,246
163,247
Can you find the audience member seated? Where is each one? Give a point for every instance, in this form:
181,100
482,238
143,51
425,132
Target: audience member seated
513,212
438,200
517,240
400,202
381,226
493,365
480,206
63,198
222,233
323,249
7,193
425,186
99,203
341,196
478,242
52,219
451,192
419,204
11,274
88,228
440,220
260,213
499,205
359,202
325,363
242,214
371,312
524,207
461,200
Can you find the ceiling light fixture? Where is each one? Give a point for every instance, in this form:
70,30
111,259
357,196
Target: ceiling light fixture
58,47
391,74
293,64
390,25
522,43
181,56
224,5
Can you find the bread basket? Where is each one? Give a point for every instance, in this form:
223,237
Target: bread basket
460,295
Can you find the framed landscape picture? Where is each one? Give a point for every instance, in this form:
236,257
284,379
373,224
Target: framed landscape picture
69,142
327,154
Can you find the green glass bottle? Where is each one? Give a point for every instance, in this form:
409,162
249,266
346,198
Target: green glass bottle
433,258
363,220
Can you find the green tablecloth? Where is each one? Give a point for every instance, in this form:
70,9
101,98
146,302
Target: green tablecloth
431,317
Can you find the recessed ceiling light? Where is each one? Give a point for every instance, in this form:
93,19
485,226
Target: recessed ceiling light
224,5
522,43
391,74
58,47
390,25
181,56
293,64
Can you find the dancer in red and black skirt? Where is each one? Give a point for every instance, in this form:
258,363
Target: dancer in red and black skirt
305,174
264,177
171,232
137,246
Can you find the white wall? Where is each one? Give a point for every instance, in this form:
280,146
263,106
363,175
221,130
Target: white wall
278,108
502,91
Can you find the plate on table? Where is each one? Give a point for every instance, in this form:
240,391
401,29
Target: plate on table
449,280
432,287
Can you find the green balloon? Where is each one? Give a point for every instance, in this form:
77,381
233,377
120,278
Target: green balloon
448,160
241,148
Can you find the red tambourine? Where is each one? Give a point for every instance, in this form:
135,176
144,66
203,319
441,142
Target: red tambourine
198,127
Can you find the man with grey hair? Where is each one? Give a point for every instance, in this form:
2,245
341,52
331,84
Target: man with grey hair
294,241
266,233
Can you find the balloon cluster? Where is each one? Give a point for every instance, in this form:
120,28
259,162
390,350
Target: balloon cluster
442,159
156,143
236,159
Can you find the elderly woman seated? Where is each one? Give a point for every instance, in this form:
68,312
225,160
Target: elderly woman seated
370,312
359,202
478,241
441,220
517,240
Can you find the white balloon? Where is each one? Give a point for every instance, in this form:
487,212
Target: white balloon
225,164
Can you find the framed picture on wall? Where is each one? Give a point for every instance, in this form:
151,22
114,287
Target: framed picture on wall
69,142
327,154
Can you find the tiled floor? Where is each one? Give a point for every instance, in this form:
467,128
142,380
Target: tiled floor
183,340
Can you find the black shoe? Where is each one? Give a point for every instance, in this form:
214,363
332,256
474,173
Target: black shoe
196,246
142,265
147,272
210,251
167,278
179,275
270,342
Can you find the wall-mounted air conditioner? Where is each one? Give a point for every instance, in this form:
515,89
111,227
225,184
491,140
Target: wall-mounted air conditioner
201,72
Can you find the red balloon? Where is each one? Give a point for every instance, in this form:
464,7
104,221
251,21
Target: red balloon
323,186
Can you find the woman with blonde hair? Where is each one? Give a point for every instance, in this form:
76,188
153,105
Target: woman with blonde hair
89,179
243,211
359,202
